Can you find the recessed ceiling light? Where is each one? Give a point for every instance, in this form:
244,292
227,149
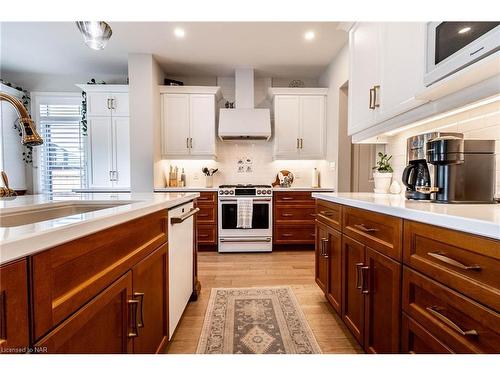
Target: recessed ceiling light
309,35
179,33
464,30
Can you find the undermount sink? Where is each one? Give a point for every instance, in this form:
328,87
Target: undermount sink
51,211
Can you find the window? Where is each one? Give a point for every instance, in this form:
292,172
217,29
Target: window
61,158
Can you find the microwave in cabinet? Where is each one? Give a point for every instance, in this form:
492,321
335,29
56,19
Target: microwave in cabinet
452,46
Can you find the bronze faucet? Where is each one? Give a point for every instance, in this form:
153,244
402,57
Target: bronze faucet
30,137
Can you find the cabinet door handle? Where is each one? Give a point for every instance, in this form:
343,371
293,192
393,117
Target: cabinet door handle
190,142
371,105
365,229
187,142
108,102
139,295
133,307
116,175
301,143
358,275
113,103
375,104
110,175
298,143
434,310
325,242
363,279
453,262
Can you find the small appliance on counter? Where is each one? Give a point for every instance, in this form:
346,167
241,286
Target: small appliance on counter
464,170
416,175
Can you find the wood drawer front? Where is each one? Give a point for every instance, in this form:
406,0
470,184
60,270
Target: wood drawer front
380,232
294,213
415,339
460,323
289,234
207,214
467,263
329,214
206,234
68,276
286,197
207,197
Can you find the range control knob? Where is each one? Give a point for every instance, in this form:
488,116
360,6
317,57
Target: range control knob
269,191
231,192
258,192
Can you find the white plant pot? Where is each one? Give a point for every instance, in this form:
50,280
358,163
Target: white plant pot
382,182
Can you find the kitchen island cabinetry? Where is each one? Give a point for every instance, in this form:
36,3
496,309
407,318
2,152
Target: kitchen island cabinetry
14,333
411,287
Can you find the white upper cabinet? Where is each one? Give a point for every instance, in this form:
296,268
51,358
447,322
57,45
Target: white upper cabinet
287,124
299,123
386,71
188,115
108,136
363,74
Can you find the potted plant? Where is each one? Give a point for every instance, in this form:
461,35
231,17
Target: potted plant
382,174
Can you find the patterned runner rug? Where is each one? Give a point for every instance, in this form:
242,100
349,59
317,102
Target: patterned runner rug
255,321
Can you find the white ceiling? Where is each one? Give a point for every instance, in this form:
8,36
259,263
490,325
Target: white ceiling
208,49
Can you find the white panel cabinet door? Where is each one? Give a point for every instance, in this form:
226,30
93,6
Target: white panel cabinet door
202,125
120,104
286,126
121,151
100,147
364,42
402,67
98,104
312,127
175,125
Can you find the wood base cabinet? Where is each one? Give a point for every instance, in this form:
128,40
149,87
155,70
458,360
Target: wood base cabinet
14,335
106,325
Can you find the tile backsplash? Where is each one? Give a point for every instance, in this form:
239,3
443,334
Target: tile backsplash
482,122
258,166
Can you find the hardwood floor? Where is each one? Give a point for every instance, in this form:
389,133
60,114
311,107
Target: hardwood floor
294,268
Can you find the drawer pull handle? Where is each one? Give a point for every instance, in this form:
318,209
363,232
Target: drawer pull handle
327,213
358,273
202,215
287,234
203,235
365,229
453,262
286,215
287,198
140,323
313,215
434,311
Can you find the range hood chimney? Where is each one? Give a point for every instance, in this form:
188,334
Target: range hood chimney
244,121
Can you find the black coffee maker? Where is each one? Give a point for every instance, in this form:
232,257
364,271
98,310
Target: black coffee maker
416,175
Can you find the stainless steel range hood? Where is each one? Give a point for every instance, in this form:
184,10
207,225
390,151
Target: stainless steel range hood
244,121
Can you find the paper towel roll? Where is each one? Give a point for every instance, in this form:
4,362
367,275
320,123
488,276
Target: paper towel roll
315,178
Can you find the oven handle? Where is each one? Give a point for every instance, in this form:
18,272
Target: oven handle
267,239
255,200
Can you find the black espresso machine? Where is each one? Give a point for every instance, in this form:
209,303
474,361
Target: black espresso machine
464,170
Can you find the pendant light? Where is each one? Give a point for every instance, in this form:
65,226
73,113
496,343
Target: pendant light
95,33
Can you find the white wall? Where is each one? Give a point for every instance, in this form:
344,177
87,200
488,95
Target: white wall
478,123
336,75
144,75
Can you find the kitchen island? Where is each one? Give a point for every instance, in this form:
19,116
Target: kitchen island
97,268
411,277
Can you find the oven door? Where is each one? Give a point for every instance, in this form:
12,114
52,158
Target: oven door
452,46
261,220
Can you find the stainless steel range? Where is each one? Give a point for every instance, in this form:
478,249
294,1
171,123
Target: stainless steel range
259,237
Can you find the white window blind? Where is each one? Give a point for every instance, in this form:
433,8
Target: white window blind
62,155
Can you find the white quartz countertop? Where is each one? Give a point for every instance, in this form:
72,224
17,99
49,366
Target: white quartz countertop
20,241
480,219
186,188
293,188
